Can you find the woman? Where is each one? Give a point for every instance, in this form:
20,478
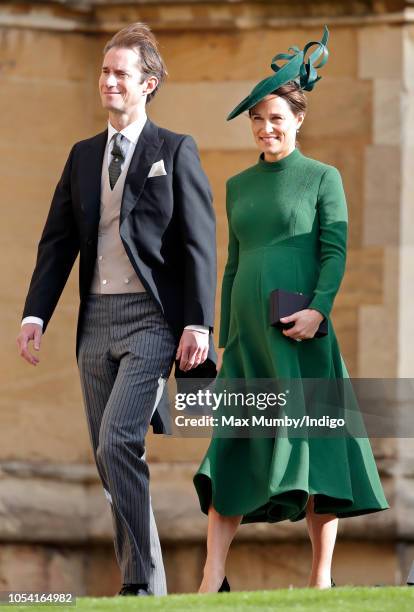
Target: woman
287,222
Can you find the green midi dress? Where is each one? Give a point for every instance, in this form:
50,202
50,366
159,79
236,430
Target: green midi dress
287,229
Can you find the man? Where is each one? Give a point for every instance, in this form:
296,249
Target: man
135,203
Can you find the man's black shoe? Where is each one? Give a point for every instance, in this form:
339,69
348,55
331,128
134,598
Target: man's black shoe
134,590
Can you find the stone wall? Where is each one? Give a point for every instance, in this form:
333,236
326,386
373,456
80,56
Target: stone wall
53,515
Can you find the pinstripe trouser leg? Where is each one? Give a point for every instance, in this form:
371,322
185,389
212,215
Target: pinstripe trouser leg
126,350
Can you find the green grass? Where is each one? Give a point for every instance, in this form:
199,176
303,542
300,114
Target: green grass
345,599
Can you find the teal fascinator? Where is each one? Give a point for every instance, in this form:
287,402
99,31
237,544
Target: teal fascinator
299,67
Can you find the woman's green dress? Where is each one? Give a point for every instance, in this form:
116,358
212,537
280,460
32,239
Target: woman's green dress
287,229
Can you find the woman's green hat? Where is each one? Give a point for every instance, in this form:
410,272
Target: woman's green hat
298,68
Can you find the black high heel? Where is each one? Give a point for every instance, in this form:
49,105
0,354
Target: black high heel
332,583
225,587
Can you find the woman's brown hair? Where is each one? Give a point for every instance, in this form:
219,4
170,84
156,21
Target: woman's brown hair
294,96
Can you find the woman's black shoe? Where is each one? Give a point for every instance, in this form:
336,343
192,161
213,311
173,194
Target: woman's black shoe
225,587
332,583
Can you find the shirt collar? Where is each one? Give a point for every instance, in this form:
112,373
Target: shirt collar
131,132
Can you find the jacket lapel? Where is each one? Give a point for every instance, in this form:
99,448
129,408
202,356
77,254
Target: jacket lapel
90,178
146,151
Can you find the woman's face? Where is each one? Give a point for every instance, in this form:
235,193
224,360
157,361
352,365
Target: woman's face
274,127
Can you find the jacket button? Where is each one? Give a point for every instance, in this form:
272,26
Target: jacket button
89,242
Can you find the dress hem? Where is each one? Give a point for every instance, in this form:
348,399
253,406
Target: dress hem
272,510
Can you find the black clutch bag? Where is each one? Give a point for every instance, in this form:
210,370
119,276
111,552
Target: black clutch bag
285,303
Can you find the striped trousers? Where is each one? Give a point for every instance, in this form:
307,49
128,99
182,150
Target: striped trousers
126,350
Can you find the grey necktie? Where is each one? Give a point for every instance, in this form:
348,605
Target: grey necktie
118,156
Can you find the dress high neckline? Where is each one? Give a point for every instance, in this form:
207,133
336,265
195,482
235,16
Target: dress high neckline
281,164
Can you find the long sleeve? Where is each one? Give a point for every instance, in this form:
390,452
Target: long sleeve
198,230
57,252
333,230
229,274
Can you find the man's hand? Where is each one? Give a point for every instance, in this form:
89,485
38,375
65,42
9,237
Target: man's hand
28,332
192,349
306,324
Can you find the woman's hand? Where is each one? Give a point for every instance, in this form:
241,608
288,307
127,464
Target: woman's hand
306,324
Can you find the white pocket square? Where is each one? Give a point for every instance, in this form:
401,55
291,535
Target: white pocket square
157,169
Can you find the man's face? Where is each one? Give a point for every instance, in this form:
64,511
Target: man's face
121,85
